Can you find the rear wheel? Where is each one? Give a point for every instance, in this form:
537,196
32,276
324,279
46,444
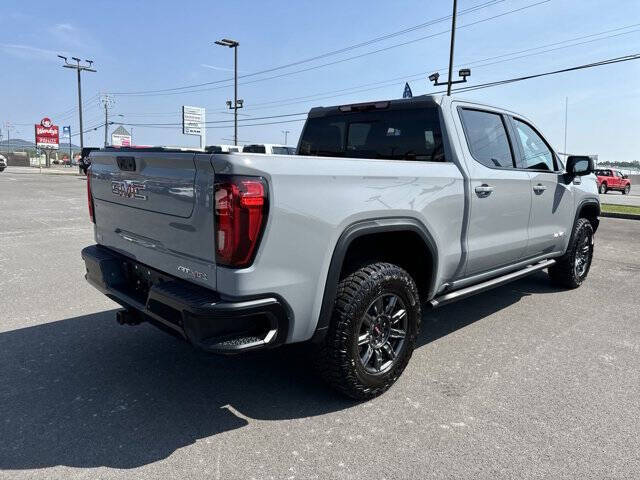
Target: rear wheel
375,322
572,269
603,188
627,189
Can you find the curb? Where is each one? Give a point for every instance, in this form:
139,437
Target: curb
626,216
37,171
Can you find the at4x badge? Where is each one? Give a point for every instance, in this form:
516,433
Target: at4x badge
128,189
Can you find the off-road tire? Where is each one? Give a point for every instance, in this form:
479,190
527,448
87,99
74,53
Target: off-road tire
337,358
603,188
564,272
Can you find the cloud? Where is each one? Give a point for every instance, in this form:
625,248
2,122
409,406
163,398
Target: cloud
216,68
28,52
64,27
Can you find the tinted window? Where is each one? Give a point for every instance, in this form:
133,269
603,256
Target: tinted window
412,134
254,149
487,138
536,155
280,150
603,173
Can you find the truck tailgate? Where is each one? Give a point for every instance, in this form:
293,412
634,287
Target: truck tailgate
155,207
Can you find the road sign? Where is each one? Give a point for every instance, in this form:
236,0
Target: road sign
66,132
47,134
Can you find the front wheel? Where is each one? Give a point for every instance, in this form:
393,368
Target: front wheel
572,268
603,188
375,322
626,190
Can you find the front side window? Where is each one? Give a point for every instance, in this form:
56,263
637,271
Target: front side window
254,149
280,151
411,134
487,138
536,155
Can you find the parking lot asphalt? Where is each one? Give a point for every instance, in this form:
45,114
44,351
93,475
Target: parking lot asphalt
618,198
524,381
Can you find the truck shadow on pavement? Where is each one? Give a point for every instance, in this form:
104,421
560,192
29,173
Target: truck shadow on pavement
85,392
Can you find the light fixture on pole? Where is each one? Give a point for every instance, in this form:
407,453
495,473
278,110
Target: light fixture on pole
79,68
225,42
465,72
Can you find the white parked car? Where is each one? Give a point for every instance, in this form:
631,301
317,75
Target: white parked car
269,148
3,163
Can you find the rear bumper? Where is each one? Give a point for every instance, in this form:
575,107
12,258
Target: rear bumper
202,316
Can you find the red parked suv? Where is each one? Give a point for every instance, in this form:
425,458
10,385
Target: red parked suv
609,179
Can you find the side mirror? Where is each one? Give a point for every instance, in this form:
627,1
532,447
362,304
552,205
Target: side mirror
578,165
625,176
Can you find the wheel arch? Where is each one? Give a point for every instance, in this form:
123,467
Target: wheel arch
590,209
364,233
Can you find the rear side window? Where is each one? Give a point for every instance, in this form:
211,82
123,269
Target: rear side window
254,149
487,138
411,134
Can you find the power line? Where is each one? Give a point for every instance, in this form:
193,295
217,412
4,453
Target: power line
475,63
208,122
609,61
174,90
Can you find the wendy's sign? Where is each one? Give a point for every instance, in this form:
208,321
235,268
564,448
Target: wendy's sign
47,134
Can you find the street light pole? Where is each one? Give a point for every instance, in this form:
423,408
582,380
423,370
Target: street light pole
237,103
286,132
453,40
79,68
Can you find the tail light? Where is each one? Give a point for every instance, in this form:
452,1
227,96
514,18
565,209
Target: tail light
240,215
90,197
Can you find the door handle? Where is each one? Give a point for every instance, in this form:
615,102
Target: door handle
484,190
539,188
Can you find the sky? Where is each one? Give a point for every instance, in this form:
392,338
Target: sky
144,46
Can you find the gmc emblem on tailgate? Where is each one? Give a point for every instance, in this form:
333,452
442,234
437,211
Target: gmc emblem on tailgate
128,189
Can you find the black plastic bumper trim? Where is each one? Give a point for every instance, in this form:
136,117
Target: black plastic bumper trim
197,314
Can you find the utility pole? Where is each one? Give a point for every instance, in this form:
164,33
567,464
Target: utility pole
107,102
463,73
79,68
286,132
566,110
8,127
237,103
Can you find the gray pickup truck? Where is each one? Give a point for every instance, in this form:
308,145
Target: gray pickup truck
387,209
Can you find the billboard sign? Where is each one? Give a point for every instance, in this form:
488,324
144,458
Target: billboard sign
193,120
121,138
47,134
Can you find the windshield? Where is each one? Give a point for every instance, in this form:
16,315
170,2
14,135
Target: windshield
390,134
